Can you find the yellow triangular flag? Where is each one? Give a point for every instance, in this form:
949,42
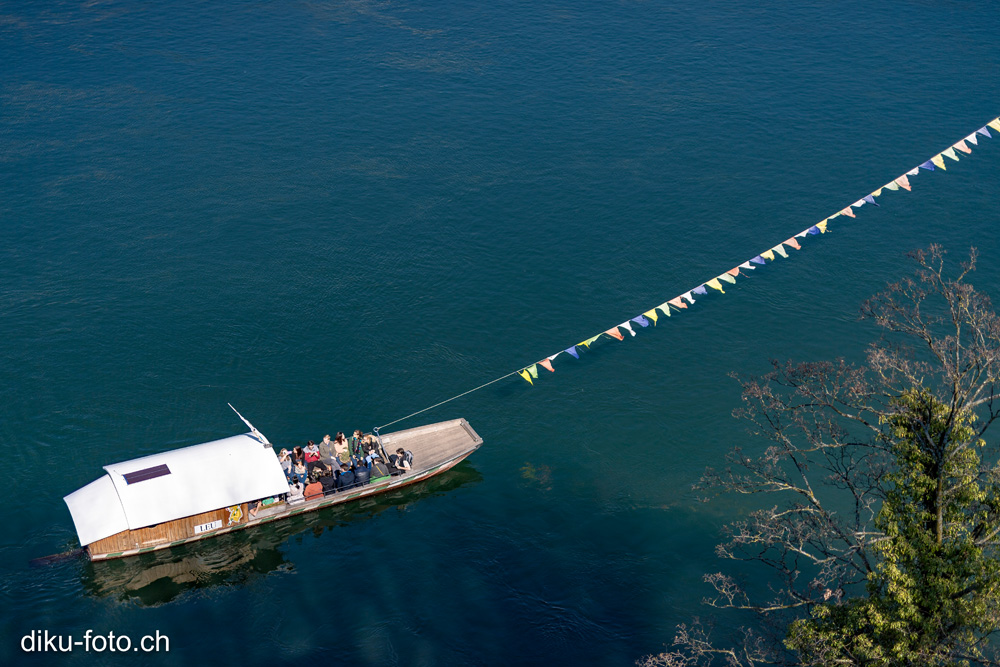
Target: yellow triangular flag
527,377
715,284
533,369
651,314
728,278
587,342
891,186
950,153
995,124
767,254
780,249
821,226
939,162
877,192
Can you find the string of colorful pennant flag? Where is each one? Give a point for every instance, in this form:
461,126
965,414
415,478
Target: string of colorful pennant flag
683,301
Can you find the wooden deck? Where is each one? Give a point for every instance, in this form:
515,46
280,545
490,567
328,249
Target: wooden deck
435,448
434,444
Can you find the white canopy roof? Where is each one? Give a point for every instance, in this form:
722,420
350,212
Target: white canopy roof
176,484
96,511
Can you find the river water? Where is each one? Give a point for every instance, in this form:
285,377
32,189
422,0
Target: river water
333,214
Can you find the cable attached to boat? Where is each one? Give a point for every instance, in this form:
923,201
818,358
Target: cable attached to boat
503,377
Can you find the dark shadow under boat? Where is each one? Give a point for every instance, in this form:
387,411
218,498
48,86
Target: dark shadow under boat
158,577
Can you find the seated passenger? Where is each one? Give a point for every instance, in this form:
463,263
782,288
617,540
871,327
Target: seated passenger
361,473
312,457
255,507
285,459
299,472
399,460
378,469
342,450
346,478
372,454
357,444
295,491
314,489
329,482
326,451
298,455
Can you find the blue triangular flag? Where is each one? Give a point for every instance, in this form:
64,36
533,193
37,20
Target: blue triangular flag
871,200
929,166
700,289
814,230
572,351
758,260
641,321
983,131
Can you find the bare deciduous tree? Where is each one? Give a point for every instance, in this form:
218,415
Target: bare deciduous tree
879,500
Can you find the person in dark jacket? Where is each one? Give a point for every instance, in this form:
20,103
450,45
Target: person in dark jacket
378,469
329,482
400,461
361,473
346,479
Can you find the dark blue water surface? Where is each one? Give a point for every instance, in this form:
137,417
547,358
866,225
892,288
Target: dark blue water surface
333,214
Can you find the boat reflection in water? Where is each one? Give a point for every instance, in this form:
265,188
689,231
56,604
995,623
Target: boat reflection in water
159,577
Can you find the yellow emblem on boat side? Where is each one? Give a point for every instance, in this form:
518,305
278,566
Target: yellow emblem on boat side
235,514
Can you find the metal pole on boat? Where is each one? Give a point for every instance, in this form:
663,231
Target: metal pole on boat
380,446
257,434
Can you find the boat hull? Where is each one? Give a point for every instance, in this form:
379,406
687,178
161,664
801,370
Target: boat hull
229,519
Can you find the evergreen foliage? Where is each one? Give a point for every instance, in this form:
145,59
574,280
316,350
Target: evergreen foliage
883,542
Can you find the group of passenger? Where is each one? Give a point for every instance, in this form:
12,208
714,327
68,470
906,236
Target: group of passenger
339,464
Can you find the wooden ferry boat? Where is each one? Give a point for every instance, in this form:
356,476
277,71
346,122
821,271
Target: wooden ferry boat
201,491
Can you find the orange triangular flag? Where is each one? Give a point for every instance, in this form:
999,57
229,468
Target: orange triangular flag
615,333
795,244
848,212
547,365
677,303
734,272
962,146
902,182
